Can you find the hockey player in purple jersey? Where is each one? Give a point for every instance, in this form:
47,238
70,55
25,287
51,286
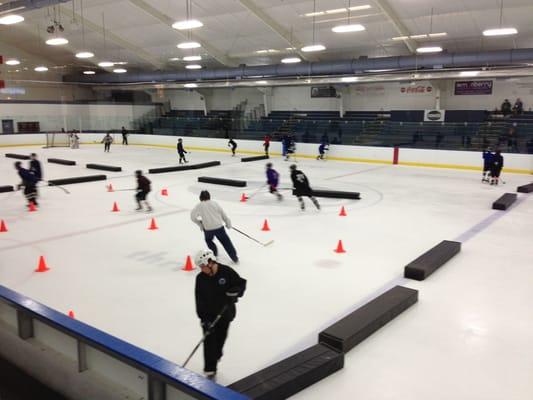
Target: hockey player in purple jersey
273,181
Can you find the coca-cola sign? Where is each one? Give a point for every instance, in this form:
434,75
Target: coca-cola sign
467,88
420,89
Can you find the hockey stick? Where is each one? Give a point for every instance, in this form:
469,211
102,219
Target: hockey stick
255,240
207,332
57,186
257,191
123,190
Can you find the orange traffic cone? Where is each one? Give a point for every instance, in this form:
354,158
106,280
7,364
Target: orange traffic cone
115,207
343,212
153,226
110,188
3,227
32,207
42,265
164,192
188,265
71,314
265,226
339,248
244,198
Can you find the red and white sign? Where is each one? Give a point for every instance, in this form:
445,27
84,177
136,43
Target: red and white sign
419,89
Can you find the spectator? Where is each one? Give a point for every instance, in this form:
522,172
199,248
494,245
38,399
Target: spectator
506,107
518,108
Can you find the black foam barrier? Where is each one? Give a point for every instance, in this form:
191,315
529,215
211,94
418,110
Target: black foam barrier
60,161
220,181
431,260
334,194
525,188
4,189
18,156
291,375
186,167
256,158
347,333
104,167
504,202
80,179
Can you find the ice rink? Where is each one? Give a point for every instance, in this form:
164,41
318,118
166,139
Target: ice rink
467,338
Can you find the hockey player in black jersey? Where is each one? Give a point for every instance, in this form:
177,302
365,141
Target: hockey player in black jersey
496,167
301,187
29,182
181,151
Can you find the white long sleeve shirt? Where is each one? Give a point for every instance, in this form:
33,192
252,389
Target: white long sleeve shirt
211,215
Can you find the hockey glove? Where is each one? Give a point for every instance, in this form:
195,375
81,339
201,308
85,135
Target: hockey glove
232,295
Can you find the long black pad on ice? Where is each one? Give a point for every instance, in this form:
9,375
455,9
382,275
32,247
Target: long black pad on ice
504,202
60,161
525,188
185,167
4,189
347,333
104,167
335,194
289,376
18,156
81,179
220,181
256,158
431,260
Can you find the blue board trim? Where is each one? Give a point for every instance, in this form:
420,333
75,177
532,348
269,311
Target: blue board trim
132,355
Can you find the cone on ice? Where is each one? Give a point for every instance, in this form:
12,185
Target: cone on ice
343,212
71,314
244,198
153,225
42,267
3,227
340,248
164,192
265,227
110,188
32,207
188,265
115,207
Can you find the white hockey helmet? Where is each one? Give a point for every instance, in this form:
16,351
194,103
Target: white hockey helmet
203,257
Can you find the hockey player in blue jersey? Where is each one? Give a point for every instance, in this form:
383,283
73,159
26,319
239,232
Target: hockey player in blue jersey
488,156
322,150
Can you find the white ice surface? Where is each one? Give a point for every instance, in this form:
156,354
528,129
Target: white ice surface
467,338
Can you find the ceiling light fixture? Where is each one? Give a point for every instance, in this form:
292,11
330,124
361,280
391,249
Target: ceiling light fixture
174,59
336,11
11,19
469,73
56,41
192,58
400,38
40,68
348,28
422,36
12,61
105,64
429,49
291,60
358,8
350,79
190,85
315,14
261,82
89,72
187,24
438,34
120,71
313,47
84,54
193,66
189,45
500,32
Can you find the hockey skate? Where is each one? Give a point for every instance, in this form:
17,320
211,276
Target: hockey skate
316,203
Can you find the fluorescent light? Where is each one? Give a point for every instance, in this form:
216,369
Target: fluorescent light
363,7
431,49
469,73
350,79
422,36
120,70
187,24
40,68
57,41
400,38
12,61
336,11
439,34
190,85
291,60
313,47
189,45
84,54
89,72
193,66
267,51
11,19
261,82
315,14
500,32
105,64
174,59
348,28
192,58
120,62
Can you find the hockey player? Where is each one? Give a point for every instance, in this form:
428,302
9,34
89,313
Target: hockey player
266,144
273,181
181,151
124,136
35,167
218,287
291,147
233,146
75,141
29,181
496,167
107,140
322,150
301,187
487,162
143,188
210,217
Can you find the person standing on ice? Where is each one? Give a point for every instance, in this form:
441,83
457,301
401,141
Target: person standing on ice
233,146
107,140
218,287
143,188
301,187
29,181
35,167
273,181
210,217
181,151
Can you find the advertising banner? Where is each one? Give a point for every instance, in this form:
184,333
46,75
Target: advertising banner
468,88
434,115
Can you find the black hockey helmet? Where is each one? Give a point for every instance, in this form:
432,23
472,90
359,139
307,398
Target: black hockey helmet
269,165
293,167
